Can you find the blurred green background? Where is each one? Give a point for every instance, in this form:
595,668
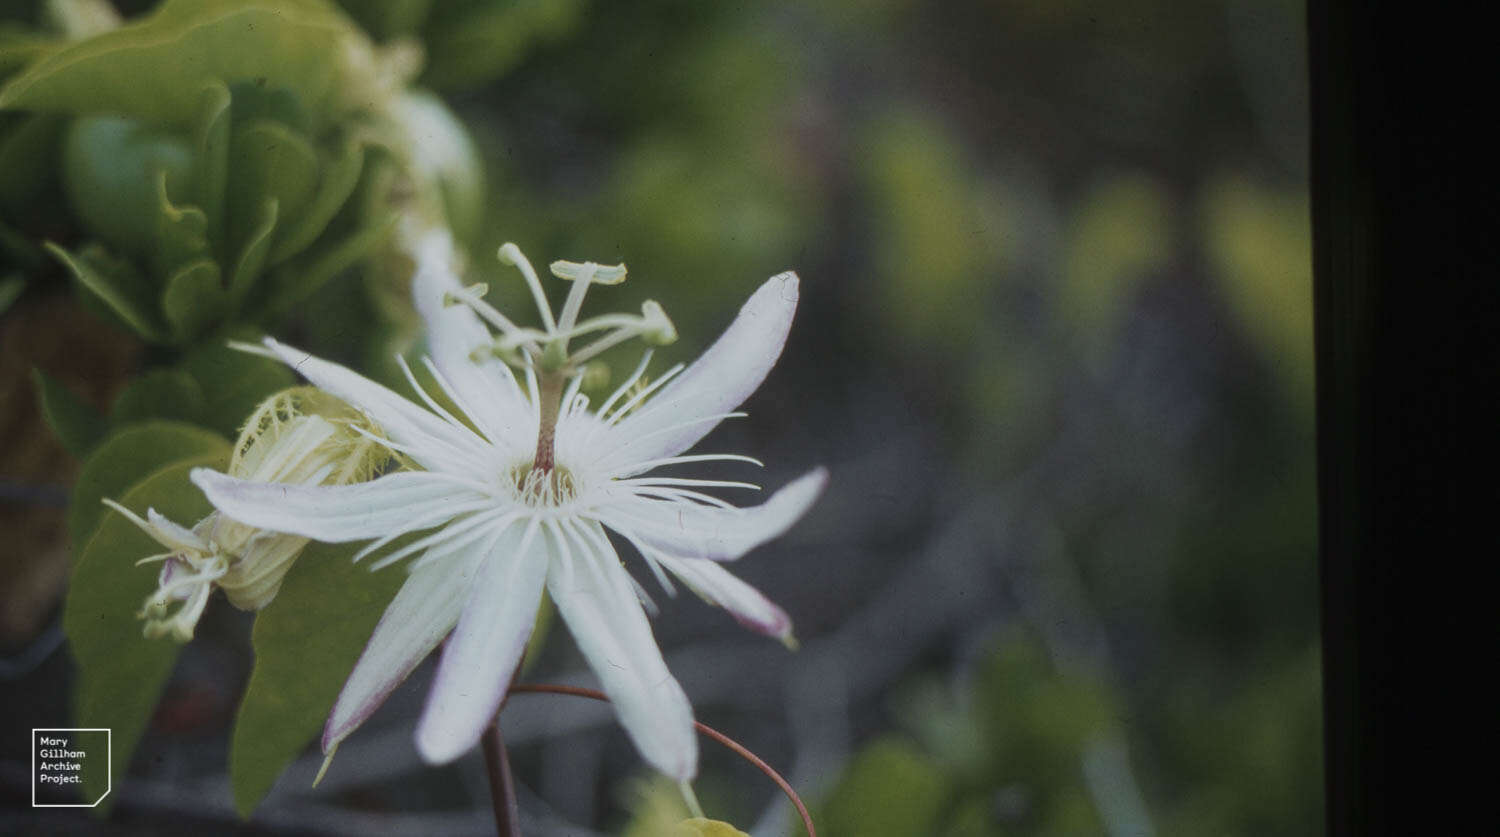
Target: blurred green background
1055,346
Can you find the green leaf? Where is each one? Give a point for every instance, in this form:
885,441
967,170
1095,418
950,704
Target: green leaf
117,284
299,278
306,643
123,459
120,672
193,300
77,425
211,163
340,176
181,232
234,383
111,171
271,162
27,159
154,68
252,258
159,394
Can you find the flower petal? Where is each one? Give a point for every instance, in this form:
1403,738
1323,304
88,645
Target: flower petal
485,392
720,380
485,648
594,596
339,513
432,441
718,586
691,530
417,619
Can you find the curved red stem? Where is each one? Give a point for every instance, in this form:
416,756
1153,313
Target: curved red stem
738,748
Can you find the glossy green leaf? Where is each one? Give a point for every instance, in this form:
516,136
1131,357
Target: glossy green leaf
111,173
181,233
121,673
306,643
340,174
77,425
234,383
253,253
194,299
300,277
154,68
123,459
170,394
271,162
211,157
118,285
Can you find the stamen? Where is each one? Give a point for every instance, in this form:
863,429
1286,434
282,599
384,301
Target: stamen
625,387
511,254
644,393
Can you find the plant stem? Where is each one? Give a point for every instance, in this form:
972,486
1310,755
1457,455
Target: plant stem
502,785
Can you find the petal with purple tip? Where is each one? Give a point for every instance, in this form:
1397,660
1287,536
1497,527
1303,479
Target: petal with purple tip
422,613
718,586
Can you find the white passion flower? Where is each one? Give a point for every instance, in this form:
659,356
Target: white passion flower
296,436
522,485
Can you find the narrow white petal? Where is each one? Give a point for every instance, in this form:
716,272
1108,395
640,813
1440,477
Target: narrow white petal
485,648
690,530
422,613
485,391
162,530
432,441
719,587
170,534
718,381
339,513
594,595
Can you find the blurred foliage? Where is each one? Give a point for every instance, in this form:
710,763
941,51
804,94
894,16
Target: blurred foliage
1001,757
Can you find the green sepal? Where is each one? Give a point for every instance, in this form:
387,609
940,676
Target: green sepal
194,299
121,673
117,284
78,426
306,643
169,394
122,459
